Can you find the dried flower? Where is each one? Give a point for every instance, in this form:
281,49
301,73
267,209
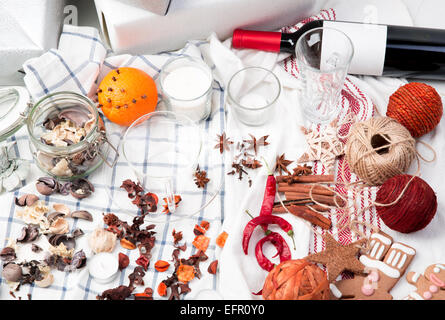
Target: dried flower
185,273
146,202
162,289
127,244
137,277
146,295
177,236
213,267
102,240
120,293
124,261
162,266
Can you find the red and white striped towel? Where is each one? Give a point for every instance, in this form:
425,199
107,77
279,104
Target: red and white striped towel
357,105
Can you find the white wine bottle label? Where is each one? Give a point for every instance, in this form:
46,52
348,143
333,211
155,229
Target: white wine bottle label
369,41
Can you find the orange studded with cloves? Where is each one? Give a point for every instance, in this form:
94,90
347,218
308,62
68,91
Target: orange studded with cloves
125,94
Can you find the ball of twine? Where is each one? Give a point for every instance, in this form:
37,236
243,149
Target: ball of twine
417,106
296,280
415,203
379,149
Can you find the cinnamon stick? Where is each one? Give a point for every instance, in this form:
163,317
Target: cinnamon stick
295,202
280,209
318,178
328,200
304,188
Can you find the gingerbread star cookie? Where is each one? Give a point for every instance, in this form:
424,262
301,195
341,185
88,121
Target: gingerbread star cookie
338,258
324,146
385,263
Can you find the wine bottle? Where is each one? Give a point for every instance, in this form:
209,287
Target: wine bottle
379,50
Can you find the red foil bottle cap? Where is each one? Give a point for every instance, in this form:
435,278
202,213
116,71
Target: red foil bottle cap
259,40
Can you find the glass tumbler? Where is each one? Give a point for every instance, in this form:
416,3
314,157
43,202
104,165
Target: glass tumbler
252,94
323,57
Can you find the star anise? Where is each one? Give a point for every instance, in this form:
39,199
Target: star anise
304,170
282,164
223,143
201,178
254,143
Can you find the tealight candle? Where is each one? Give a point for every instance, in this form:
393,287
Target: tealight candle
186,86
103,267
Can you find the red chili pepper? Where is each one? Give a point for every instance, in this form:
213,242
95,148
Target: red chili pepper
260,220
282,249
268,198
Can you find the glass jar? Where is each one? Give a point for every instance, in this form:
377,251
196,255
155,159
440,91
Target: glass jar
67,137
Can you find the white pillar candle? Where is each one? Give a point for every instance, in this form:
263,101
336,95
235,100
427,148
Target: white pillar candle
187,91
103,267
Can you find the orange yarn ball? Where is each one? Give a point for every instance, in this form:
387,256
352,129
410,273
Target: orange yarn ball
417,106
296,280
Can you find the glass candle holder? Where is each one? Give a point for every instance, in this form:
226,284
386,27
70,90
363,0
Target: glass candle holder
186,86
162,149
67,137
252,95
323,57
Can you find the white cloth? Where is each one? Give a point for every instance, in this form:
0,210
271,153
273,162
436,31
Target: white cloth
70,66
239,275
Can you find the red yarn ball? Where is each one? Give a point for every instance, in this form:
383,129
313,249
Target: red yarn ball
417,106
414,210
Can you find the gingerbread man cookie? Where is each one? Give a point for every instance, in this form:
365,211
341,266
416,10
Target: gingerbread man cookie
385,263
430,285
